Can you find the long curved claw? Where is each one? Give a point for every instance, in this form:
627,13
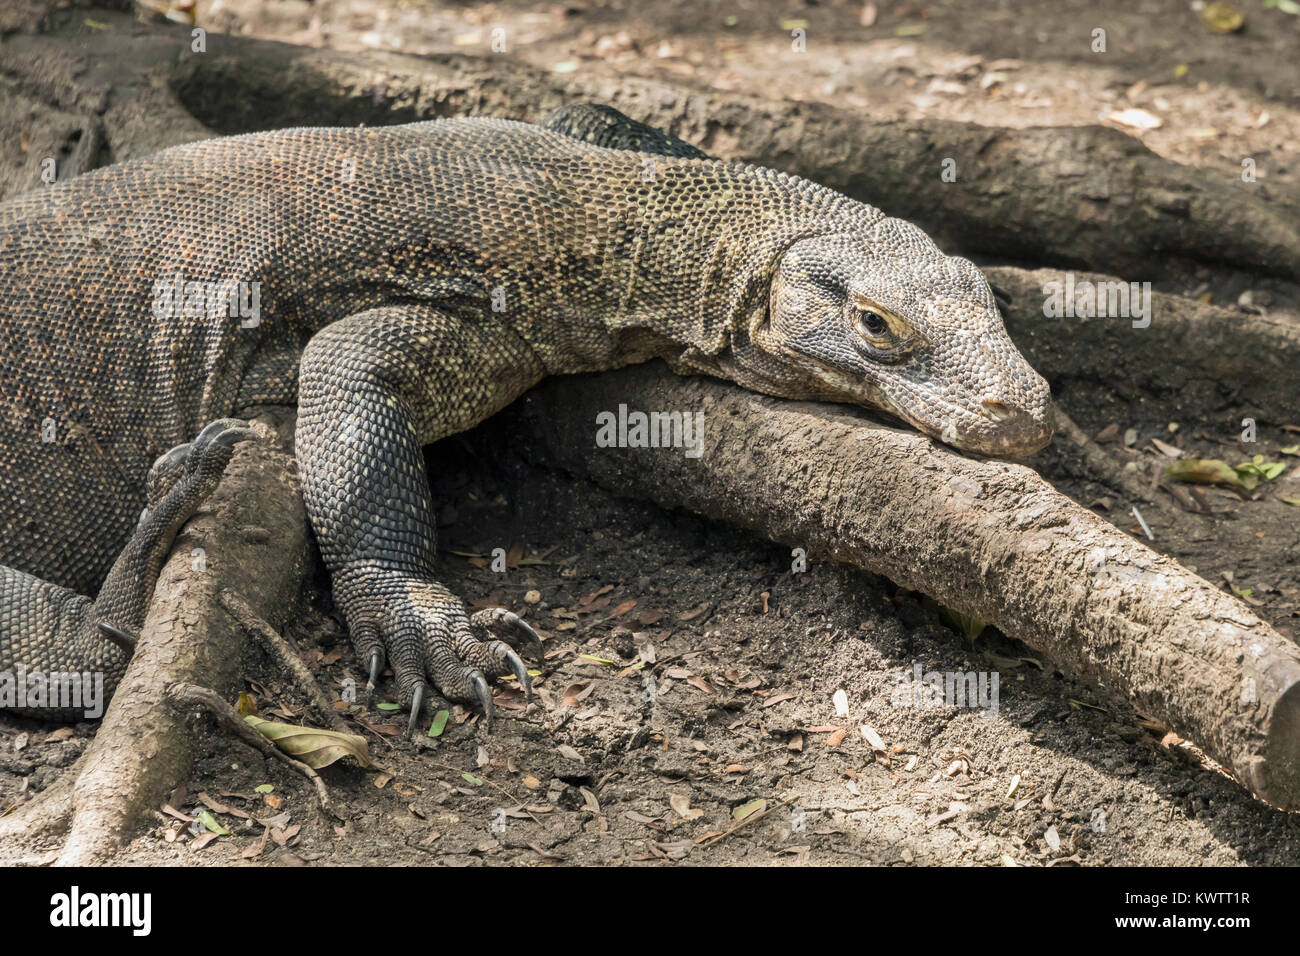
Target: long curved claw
484,695
170,460
164,474
375,658
213,428
417,701
520,672
235,433
516,625
117,636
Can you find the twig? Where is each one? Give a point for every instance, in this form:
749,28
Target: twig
519,804
1102,465
747,821
227,717
284,656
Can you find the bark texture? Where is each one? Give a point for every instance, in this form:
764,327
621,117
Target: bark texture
250,537
986,538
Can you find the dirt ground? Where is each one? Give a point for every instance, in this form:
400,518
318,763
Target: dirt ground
690,672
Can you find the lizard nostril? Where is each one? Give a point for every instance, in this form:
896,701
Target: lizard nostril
998,410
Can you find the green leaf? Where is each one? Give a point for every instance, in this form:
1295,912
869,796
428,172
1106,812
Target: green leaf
598,660
209,821
748,809
264,788
387,706
470,778
439,723
1291,450
1206,471
1257,469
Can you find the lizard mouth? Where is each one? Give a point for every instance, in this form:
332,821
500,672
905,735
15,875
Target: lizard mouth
993,427
998,429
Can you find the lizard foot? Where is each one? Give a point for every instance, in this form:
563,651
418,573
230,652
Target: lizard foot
205,457
422,629
178,483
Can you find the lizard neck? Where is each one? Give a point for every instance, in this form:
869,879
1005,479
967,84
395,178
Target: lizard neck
700,242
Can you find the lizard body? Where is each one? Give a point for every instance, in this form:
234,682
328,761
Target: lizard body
402,284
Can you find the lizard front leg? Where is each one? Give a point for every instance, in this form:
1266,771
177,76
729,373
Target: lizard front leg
374,388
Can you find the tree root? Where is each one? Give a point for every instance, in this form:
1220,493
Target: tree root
988,539
184,695
1115,206
285,657
1103,468
251,535
1238,360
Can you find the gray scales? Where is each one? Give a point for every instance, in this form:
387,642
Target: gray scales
399,285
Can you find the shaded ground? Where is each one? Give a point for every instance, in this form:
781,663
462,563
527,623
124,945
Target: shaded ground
741,707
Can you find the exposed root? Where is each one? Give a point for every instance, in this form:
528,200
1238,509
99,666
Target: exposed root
250,535
986,538
191,694
1104,468
285,657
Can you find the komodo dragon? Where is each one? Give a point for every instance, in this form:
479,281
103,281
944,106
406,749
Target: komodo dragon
399,285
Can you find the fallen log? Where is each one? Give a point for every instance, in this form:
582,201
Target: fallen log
1185,353
990,539
249,537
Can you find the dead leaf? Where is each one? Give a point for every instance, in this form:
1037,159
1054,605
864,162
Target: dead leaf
1205,471
316,748
203,840
1222,18
694,612
873,738
623,608
682,807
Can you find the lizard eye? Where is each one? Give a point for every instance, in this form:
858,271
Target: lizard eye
873,323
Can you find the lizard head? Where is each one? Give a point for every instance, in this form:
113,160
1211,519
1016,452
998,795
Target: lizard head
880,317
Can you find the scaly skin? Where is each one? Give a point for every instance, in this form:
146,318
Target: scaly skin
413,280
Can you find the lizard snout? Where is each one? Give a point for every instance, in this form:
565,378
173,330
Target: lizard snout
1009,430
997,409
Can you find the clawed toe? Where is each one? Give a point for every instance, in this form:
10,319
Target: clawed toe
224,431
519,670
508,624
421,630
376,661
417,702
484,695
